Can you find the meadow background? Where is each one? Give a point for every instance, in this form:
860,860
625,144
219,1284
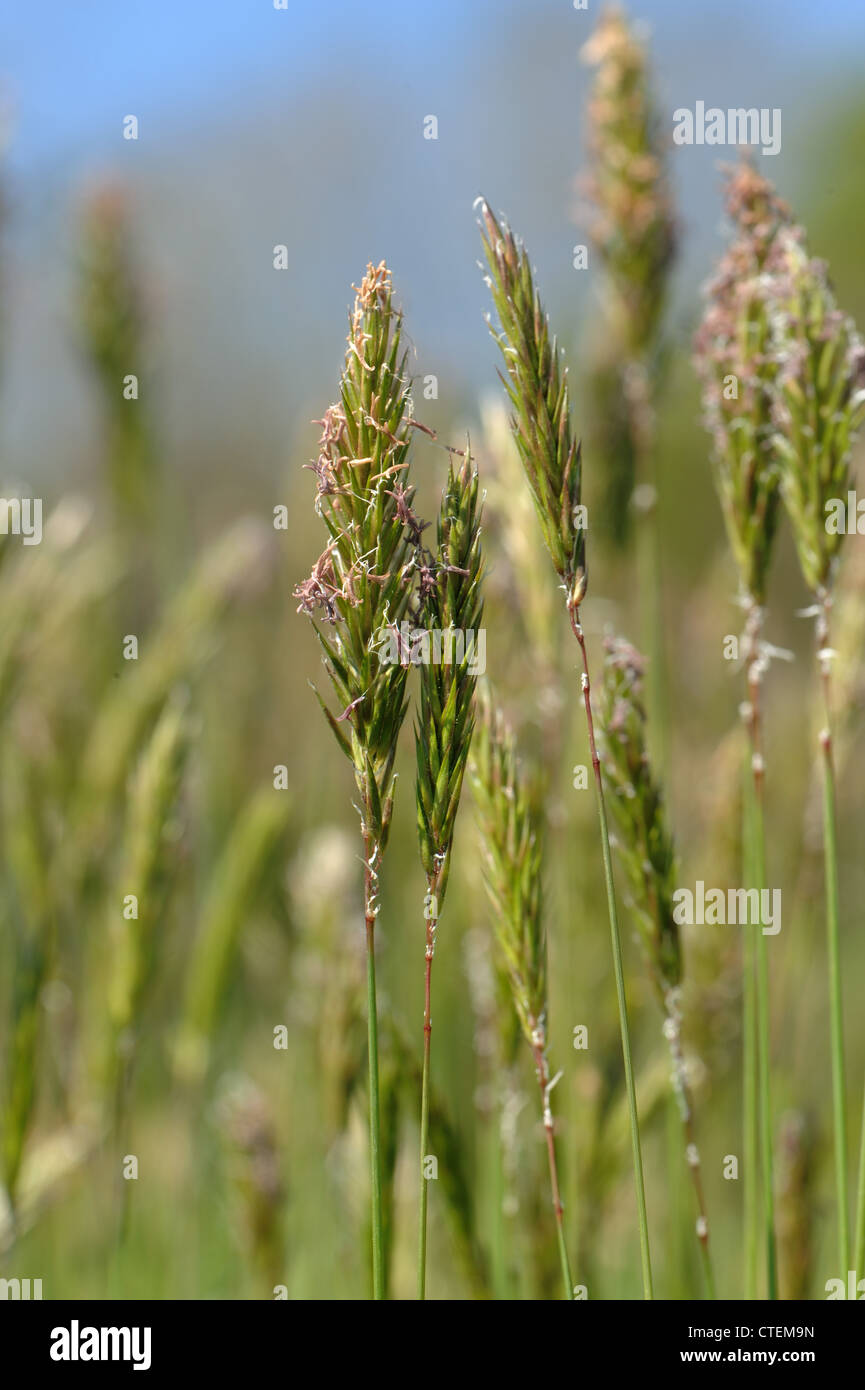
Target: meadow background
305,128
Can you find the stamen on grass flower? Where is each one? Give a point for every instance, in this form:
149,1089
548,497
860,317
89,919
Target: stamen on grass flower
818,403
734,361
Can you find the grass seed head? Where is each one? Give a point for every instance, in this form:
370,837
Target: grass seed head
633,226
644,842
734,361
537,385
361,584
511,844
113,326
454,604
819,401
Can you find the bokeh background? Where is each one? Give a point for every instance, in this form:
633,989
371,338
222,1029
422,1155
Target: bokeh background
304,127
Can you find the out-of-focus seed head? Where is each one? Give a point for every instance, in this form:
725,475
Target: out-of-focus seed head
818,404
510,824
734,360
644,843
633,226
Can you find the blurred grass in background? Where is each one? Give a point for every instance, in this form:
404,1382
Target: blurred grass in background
252,1158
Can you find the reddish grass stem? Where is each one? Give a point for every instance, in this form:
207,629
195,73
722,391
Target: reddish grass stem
543,1076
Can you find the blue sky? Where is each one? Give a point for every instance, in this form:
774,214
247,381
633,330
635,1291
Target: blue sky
70,69
303,127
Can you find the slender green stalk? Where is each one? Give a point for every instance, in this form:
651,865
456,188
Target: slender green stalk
760,960
370,910
511,825
451,609
633,229
763,1069
672,1031
678,1239
646,851
732,349
836,1024
618,970
357,594
424,1111
818,409
650,561
750,1177
536,383
859,1246
498,1250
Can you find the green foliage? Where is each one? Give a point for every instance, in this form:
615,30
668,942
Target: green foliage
144,872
